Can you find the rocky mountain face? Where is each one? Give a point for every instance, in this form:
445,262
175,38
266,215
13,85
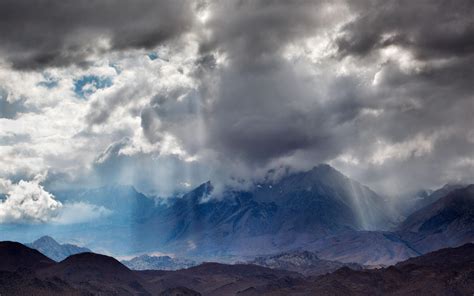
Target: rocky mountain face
290,215
146,262
325,197
447,222
52,249
281,214
24,271
304,262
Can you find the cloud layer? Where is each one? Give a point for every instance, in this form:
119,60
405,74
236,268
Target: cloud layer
186,91
36,34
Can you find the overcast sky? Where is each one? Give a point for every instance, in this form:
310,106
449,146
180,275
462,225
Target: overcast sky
166,94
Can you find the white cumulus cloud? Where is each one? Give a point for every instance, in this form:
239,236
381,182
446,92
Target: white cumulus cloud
29,202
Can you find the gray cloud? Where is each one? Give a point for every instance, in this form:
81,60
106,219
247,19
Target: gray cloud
431,29
269,109
256,31
264,107
36,34
382,90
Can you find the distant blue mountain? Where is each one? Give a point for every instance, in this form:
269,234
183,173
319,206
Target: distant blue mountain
52,249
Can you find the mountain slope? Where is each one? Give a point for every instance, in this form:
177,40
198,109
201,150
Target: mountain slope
375,248
447,222
97,274
18,266
16,256
51,248
436,195
271,217
324,196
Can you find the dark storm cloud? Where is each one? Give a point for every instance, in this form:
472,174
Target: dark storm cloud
431,29
261,116
264,107
267,107
256,31
40,33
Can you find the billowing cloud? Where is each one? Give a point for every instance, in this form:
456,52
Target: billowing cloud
29,202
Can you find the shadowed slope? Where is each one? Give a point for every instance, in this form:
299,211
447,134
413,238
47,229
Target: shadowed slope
101,274
16,256
448,222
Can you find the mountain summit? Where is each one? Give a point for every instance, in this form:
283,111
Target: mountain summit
276,215
58,252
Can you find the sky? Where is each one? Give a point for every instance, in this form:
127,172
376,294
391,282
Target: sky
164,95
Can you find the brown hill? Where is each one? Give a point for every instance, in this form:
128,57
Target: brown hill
16,256
444,272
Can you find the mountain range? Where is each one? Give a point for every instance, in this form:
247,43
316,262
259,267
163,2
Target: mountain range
316,232
25,271
320,211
